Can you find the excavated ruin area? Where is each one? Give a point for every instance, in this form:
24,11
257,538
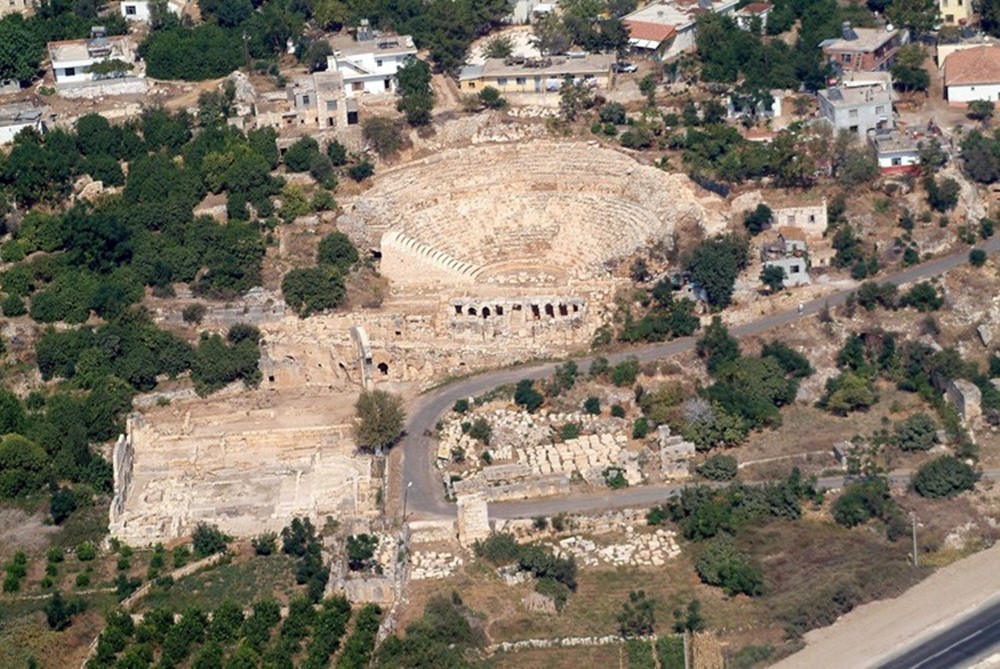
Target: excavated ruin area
540,213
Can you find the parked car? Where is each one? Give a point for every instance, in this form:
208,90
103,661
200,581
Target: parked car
624,66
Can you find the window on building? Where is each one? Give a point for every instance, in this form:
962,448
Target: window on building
331,122
331,105
378,63
880,109
852,113
70,71
845,57
794,269
501,81
853,128
944,3
305,99
897,161
129,10
358,86
521,81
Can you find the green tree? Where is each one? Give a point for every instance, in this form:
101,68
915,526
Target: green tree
638,615
773,276
908,72
501,46
920,16
490,98
944,477
208,540
20,49
310,290
337,250
525,395
715,264
916,433
980,110
977,258
361,551
722,564
716,346
849,392
416,97
384,135
759,219
719,468
299,155
380,420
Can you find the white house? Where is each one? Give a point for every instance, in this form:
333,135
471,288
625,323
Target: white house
972,74
370,64
142,10
897,152
678,15
73,60
16,117
746,15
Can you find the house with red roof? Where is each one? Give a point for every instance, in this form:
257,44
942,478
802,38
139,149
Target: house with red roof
755,11
650,39
972,74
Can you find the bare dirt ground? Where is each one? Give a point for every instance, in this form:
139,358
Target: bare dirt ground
874,631
22,531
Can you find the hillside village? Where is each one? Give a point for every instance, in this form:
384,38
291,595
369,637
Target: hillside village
492,333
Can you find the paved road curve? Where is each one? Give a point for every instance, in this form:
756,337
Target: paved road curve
425,496
956,646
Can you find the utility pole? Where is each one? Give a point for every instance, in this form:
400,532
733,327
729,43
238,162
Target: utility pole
687,661
913,524
406,492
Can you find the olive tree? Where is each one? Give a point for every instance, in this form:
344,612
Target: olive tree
380,418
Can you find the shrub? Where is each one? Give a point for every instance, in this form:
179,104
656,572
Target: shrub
625,373
310,290
722,564
86,552
481,431
719,468
499,548
300,155
360,551
336,249
194,313
361,170
460,406
944,477
592,405
569,431
923,297
265,544
525,395
916,433
617,411
208,540
977,257
640,428
62,504
614,478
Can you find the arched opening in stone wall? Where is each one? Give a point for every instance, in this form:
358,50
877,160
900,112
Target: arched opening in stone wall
486,312
550,311
563,310
499,310
472,311
535,313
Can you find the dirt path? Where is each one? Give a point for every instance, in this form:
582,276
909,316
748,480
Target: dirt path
871,633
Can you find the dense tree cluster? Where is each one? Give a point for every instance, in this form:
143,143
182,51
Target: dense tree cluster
714,265
22,40
439,638
227,637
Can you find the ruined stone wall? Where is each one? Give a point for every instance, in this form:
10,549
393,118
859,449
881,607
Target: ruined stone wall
121,462
246,482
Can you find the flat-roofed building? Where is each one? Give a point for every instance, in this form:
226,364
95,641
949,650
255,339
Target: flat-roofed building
83,60
537,75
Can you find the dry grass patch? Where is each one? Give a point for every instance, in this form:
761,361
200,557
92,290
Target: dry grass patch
606,657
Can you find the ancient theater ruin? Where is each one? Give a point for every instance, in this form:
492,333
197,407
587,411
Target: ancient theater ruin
494,254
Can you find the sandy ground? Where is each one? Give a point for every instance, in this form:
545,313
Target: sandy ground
872,633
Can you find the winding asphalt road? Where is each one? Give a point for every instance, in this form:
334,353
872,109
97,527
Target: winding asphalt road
424,489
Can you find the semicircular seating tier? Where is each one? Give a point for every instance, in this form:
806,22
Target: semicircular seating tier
539,213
